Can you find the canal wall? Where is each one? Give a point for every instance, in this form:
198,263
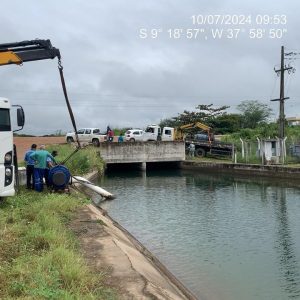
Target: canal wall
142,152
243,169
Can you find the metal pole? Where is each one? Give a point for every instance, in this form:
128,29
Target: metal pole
281,108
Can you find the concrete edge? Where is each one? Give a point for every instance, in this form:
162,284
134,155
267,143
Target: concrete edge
244,169
144,251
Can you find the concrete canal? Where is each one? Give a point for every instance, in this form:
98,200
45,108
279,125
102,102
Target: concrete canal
224,237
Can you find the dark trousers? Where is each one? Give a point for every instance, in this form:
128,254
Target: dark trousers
38,179
30,176
46,175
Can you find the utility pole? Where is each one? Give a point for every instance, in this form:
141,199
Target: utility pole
282,98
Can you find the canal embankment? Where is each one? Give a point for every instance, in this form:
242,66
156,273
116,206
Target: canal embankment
133,270
109,249
278,171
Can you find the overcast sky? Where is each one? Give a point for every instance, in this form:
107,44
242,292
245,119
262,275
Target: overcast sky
115,76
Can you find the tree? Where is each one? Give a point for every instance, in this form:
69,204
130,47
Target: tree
204,113
254,113
226,123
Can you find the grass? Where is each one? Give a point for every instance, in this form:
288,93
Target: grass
290,161
39,256
210,158
82,162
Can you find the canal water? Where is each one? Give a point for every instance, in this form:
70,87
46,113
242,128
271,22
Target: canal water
223,237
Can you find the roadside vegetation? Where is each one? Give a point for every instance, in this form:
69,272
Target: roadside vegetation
82,162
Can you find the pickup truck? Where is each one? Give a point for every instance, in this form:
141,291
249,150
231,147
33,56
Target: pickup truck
87,135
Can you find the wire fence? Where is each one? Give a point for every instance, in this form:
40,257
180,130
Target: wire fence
251,152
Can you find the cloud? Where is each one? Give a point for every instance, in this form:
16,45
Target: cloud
116,77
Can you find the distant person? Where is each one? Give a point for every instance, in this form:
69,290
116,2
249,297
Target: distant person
30,167
120,139
107,133
50,164
40,158
191,148
110,135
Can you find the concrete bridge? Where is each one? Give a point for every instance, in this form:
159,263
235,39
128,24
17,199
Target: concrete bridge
142,152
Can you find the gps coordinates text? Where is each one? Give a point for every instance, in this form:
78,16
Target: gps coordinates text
223,26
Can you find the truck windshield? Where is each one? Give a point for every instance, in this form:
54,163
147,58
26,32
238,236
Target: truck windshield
149,129
4,120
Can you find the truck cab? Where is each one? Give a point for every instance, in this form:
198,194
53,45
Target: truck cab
152,133
7,154
155,133
168,134
6,151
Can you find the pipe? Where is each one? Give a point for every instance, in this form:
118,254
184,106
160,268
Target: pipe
95,188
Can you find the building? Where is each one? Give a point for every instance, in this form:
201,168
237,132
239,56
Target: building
293,121
270,150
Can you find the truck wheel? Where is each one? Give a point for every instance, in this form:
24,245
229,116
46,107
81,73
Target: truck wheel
96,142
132,140
200,152
70,140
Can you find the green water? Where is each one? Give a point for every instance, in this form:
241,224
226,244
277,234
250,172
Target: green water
223,237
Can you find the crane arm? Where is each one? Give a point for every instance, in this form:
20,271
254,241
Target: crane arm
196,124
32,50
179,132
17,53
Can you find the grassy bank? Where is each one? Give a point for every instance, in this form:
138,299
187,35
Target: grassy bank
39,255
82,162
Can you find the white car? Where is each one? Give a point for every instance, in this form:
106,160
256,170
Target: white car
134,135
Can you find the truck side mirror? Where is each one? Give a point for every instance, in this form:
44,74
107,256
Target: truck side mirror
20,117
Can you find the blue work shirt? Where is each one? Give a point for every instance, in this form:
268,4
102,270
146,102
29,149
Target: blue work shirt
29,161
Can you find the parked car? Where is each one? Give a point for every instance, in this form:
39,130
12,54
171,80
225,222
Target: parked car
87,135
134,135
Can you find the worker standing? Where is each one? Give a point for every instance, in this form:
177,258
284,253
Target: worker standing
110,135
191,148
120,138
30,167
40,158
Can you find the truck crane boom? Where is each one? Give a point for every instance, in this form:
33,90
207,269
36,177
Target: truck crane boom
32,50
17,53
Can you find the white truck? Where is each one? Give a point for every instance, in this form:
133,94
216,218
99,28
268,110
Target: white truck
155,133
87,135
8,159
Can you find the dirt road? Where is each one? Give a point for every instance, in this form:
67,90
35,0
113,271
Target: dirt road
24,143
